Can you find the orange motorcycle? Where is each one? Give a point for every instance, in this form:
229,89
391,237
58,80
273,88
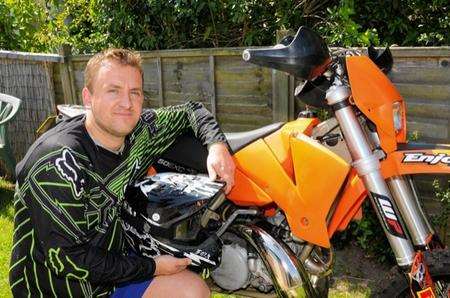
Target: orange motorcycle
300,182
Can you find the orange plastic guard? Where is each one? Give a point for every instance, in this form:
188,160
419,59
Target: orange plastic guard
279,141
274,148
306,200
418,161
319,175
247,193
374,95
349,203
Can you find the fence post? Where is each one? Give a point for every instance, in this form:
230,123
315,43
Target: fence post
212,80
67,75
159,67
282,86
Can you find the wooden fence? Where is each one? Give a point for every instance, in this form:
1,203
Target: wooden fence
244,96
239,95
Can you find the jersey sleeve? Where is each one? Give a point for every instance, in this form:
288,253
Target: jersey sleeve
174,120
53,191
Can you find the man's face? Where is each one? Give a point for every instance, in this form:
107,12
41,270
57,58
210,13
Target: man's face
116,98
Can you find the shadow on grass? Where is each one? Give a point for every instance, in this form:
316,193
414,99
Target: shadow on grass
6,198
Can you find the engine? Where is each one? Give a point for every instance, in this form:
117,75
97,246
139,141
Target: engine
240,267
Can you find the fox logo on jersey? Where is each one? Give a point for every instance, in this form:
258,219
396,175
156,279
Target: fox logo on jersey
69,170
149,118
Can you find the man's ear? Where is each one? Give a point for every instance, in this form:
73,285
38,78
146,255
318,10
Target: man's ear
87,97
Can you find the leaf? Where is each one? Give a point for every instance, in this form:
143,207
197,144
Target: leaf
207,33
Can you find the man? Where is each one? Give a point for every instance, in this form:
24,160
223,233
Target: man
68,240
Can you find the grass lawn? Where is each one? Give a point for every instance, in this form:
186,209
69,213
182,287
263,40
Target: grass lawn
340,289
6,230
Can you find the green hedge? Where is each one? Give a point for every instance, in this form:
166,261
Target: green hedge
89,26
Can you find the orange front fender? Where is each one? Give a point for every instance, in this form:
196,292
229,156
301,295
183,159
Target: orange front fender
412,158
416,158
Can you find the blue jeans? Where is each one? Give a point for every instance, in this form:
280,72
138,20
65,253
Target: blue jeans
131,289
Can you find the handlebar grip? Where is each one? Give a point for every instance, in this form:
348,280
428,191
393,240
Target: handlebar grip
276,53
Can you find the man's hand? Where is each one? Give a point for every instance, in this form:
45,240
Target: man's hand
220,165
166,265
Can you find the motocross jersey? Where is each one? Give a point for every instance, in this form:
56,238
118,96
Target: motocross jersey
68,240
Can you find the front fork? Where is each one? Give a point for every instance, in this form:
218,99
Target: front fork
407,201
394,202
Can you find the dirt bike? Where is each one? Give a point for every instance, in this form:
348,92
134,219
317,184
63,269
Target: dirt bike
298,183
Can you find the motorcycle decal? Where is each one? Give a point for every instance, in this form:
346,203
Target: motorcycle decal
427,293
390,219
431,159
420,279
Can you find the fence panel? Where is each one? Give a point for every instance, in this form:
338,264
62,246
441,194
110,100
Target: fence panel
30,78
422,76
239,94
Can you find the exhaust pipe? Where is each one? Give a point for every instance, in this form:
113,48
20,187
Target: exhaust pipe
289,276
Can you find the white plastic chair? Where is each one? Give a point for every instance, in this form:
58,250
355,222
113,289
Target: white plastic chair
9,105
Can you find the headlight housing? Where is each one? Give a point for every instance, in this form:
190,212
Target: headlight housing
397,109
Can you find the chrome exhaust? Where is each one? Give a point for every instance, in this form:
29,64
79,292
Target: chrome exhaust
289,276
313,263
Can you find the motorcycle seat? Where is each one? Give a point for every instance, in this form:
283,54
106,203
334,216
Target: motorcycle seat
238,140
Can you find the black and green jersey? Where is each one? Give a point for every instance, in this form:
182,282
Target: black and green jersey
68,238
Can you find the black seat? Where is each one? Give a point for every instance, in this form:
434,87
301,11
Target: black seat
238,140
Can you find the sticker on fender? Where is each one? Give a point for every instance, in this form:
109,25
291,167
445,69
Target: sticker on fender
427,293
431,159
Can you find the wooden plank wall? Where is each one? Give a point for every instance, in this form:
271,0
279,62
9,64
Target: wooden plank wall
243,96
422,75
239,94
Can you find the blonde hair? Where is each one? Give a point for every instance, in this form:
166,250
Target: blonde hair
121,56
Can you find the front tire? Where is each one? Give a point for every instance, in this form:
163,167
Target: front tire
322,285
438,262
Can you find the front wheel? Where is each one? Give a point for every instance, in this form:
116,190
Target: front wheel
321,285
438,262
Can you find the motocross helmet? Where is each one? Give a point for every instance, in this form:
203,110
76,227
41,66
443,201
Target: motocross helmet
161,215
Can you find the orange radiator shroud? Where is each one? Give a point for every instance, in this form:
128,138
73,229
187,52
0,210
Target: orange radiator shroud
296,173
